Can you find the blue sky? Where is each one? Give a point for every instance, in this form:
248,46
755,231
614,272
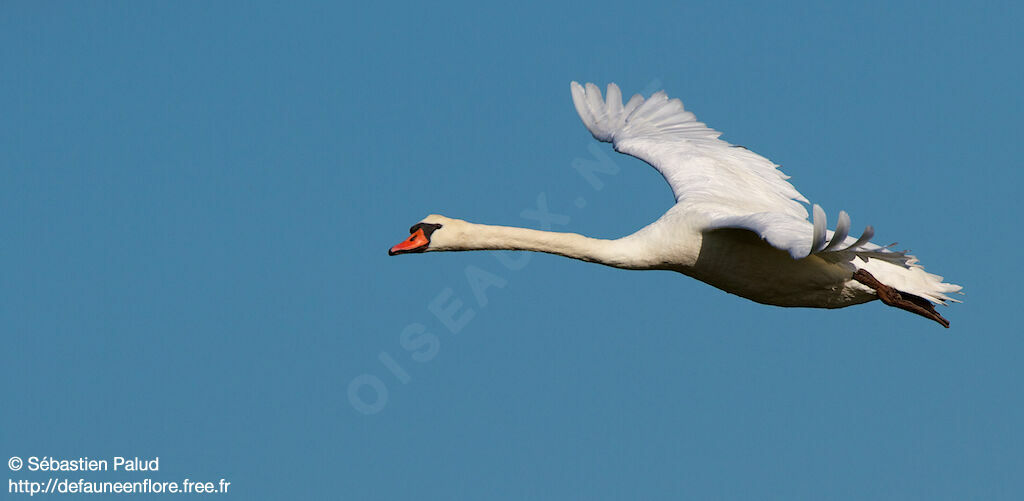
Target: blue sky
197,201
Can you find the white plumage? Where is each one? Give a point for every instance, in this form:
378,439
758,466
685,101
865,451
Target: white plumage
737,223
732,187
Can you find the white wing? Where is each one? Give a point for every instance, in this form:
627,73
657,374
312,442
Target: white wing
723,185
720,185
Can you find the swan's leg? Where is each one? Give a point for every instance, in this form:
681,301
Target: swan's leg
901,300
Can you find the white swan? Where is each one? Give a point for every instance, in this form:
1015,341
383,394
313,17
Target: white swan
737,224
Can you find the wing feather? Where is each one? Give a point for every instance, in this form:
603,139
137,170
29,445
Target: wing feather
724,185
705,173
820,226
842,230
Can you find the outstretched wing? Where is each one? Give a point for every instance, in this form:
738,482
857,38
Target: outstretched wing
720,185
724,185
703,171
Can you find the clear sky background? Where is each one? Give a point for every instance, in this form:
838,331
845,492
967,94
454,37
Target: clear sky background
197,199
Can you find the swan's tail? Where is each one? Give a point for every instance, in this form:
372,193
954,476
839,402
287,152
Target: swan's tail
893,268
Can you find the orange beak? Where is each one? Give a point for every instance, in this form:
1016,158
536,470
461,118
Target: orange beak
417,242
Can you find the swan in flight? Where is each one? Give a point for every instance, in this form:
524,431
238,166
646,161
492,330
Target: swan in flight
737,224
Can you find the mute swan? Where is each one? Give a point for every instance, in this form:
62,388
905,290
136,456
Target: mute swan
737,224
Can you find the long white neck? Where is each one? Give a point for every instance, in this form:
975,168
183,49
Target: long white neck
458,235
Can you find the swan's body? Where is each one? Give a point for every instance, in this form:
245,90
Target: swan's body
737,223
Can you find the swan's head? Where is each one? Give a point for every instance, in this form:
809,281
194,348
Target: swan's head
422,236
